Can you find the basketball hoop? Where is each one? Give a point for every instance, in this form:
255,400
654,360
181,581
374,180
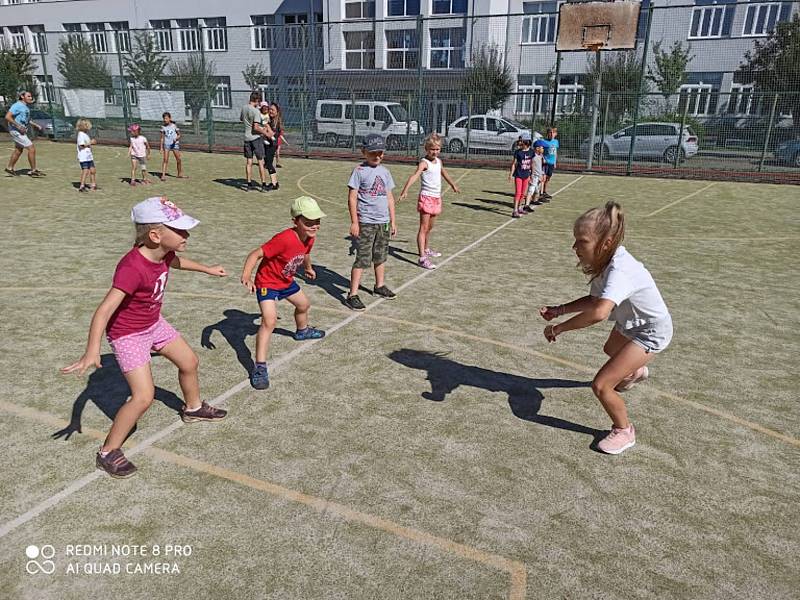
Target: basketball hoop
594,26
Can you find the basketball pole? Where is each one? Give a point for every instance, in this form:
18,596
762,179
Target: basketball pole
595,107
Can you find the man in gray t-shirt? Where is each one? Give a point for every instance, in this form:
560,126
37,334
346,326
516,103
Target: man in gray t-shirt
253,141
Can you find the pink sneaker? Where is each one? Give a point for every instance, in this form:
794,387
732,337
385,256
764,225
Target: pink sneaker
516,214
618,440
426,263
432,253
641,374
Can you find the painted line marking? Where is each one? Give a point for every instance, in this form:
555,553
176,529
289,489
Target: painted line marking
515,569
671,204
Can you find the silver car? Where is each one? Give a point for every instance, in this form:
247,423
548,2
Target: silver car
486,132
653,140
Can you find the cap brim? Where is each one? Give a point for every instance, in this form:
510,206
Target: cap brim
185,222
312,215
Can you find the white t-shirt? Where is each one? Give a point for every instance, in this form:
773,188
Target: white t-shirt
629,285
432,178
84,154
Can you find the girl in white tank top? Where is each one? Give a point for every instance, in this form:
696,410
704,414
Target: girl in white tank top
429,206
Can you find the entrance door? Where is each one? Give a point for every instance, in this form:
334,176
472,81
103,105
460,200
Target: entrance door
444,112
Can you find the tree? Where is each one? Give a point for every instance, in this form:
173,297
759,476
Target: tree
488,80
81,67
620,76
774,66
146,64
254,75
670,67
16,73
195,77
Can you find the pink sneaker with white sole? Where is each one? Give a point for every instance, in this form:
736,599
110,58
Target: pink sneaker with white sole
432,253
641,374
618,440
426,263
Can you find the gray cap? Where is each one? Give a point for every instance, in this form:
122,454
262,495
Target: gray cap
373,143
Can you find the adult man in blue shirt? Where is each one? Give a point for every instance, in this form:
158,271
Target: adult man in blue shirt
18,118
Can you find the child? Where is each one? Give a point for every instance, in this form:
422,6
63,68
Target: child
131,316
280,258
277,116
139,151
537,174
85,157
270,138
170,142
551,146
621,289
372,221
521,172
429,204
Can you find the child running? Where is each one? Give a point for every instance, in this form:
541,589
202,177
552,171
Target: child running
429,205
130,314
372,220
537,174
622,290
170,142
280,258
139,152
85,157
521,172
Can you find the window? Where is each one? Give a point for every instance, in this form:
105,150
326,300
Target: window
163,35
760,19
381,114
529,98
571,95
97,37
222,93
449,7
131,93
74,31
744,101
38,39
539,22
295,30
403,8
359,50
362,112
447,48
359,9
402,49
216,34
330,111
109,97
262,32
700,98
476,123
461,123
711,19
121,40
187,35
18,41
47,91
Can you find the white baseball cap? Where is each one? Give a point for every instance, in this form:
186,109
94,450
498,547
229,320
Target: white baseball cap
160,210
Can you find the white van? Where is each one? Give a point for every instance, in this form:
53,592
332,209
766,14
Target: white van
335,119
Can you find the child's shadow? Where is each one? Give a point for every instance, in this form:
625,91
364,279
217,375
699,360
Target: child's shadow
524,395
236,327
108,389
398,253
334,284
482,208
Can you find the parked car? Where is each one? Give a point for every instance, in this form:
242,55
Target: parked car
788,152
486,132
336,119
51,126
653,140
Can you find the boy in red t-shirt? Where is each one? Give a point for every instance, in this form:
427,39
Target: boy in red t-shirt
280,258
130,314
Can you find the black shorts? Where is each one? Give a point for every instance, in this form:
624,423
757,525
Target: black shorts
254,148
548,169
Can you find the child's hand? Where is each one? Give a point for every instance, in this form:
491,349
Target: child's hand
549,312
248,283
311,274
355,230
402,196
93,141
550,333
89,359
217,271
393,229
456,189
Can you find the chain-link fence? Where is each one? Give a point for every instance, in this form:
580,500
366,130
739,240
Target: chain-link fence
712,87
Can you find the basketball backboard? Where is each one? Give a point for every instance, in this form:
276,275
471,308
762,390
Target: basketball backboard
586,26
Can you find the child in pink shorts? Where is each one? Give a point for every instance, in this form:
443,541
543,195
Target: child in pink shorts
130,314
429,205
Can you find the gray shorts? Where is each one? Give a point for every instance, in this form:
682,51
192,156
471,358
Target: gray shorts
653,337
20,139
141,161
372,247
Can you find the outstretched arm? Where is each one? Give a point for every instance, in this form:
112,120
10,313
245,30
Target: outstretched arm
185,264
91,357
413,179
594,310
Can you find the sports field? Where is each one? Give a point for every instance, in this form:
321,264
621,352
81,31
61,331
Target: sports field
434,446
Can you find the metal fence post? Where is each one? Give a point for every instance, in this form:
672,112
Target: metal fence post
772,112
207,90
629,168
555,90
42,55
603,130
679,145
408,127
353,121
469,123
420,101
595,109
125,110
304,93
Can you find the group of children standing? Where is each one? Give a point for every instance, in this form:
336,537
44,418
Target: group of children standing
130,314
531,169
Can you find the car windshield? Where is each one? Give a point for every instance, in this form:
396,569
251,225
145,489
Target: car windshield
514,124
691,131
398,112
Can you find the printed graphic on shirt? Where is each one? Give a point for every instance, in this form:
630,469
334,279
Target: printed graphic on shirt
378,187
158,289
291,267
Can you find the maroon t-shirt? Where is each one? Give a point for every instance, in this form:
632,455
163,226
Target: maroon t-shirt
283,255
144,283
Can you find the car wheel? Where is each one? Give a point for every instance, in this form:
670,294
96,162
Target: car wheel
331,139
393,142
669,154
596,151
456,146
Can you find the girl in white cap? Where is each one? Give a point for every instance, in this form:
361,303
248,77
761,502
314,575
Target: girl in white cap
130,314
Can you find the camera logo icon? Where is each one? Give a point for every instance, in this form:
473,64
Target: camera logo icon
40,559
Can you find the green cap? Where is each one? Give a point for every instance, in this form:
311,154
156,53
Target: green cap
308,207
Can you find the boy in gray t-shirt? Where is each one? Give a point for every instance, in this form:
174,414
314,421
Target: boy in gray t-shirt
372,221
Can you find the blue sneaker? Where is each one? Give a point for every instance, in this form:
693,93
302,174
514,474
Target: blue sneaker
309,333
259,378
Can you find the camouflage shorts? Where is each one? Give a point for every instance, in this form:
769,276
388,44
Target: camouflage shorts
372,247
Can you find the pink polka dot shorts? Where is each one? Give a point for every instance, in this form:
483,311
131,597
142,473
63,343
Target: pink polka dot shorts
133,350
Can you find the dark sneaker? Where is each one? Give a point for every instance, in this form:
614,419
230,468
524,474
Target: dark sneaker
12,172
354,303
115,464
250,186
36,173
267,187
544,199
276,186
384,292
309,333
83,188
527,208
206,412
259,378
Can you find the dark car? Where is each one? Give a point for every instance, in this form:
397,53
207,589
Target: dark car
788,152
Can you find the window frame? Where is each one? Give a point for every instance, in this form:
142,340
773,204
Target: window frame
755,8
406,11
546,24
696,93
365,8
450,10
222,87
363,52
405,51
451,50
263,32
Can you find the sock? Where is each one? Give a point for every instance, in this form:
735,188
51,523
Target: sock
301,331
191,410
261,364
104,454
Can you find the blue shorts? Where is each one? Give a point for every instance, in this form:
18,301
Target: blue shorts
87,164
548,169
263,293
172,147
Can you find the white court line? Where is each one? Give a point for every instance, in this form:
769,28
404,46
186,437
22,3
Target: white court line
663,208
79,484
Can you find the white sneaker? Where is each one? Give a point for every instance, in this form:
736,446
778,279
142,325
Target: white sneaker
641,374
